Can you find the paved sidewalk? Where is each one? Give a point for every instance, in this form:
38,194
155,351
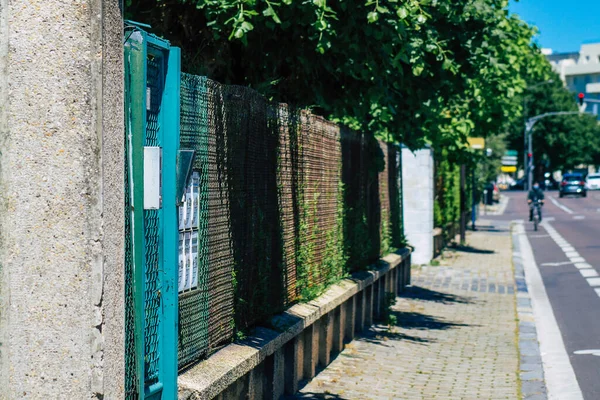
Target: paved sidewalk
455,337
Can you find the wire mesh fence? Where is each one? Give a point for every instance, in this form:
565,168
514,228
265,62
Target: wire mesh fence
287,203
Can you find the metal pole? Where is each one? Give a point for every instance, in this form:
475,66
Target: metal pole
525,170
473,199
530,165
529,129
525,165
463,219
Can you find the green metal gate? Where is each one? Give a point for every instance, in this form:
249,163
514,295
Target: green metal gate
152,85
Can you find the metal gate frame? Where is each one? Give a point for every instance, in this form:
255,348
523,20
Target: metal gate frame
152,120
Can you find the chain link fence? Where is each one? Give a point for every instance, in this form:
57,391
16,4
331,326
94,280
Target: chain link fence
287,204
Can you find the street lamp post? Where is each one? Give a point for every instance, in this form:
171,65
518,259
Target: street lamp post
529,129
525,151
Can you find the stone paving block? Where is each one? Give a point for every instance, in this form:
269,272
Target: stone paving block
455,336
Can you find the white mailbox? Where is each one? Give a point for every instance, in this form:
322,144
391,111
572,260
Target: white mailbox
152,177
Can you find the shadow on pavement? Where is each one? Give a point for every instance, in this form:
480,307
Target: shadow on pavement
408,320
491,228
420,293
315,396
470,249
380,335
413,320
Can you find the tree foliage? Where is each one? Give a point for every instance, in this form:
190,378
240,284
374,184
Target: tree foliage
416,71
560,142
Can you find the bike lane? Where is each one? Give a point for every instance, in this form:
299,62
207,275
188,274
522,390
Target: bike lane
562,247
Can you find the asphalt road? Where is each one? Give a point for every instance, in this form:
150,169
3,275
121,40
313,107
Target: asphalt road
570,271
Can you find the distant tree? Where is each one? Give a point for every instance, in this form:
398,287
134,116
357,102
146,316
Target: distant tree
560,142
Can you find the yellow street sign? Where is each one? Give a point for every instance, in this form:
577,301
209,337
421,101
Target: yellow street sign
476,142
509,168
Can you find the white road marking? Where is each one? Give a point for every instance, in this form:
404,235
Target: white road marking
557,204
549,219
556,264
559,375
538,236
594,352
579,217
588,273
585,269
594,281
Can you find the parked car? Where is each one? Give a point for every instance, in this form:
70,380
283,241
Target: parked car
573,184
593,181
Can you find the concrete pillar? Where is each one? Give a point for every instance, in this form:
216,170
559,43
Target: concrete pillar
407,275
325,339
379,298
292,353
61,199
256,382
359,319
311,350
369,305
339,316
395,274
275,375
238,389
417,200
350,319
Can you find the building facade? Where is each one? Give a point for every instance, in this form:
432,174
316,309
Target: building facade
580,71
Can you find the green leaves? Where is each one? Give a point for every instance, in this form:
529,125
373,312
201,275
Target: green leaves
372,17
402,13
270,12
447,68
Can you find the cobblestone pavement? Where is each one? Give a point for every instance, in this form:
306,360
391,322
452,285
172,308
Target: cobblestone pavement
455,336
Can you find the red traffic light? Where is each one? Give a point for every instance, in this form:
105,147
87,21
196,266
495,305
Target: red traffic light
581,97
529,155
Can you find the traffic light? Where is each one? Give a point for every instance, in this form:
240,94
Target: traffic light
581,97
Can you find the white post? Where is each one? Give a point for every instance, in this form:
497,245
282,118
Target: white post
417,200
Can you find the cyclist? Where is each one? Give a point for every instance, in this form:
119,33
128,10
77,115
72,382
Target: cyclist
535,194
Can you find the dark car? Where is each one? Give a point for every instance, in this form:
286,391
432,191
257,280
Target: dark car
573,184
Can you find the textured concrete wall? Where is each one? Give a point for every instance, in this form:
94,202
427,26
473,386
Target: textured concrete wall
418,192
61,183
3,147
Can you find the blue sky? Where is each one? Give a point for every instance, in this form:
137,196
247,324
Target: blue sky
563,25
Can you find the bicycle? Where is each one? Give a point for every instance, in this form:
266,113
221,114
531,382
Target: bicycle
537,213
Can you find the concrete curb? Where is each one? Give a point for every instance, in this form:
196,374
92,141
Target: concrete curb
273,362
533,385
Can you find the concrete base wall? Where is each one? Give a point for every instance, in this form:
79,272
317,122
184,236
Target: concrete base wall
274,363
61,199
417,202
